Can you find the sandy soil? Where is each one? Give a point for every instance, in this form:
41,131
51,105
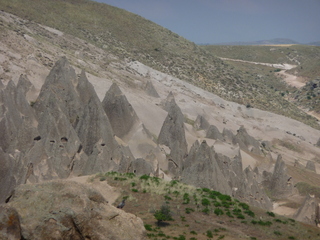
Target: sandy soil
292,80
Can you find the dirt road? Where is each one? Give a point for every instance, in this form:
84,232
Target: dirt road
290,79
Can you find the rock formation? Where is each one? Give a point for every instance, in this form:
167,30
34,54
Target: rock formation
9,223
213,133
172,135
228,135
309,211
119,111
68,210
140,166
279,183
205,168
201,123
318,143
19,136
202,170
311,166
247,142
66,132
150,90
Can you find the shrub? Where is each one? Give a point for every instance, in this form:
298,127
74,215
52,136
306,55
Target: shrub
144,177
205,202
228,213
218,211
277,233
189,210
249,213
193,232
186,198
240,216
164,214
181,237
130,175
244,206
206,210
176,193
134,190
102,178
209,234
173,182
148,227
166,197
120,178
206,189
133,184
271,214
223,197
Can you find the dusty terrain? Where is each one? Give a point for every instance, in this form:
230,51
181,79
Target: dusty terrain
24,51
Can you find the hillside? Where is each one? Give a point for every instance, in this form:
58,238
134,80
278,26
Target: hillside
306,60
306,57
84,126
131,37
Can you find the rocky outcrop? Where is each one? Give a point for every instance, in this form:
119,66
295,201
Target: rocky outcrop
202,170
309,212
247,142
201,123
70,210
172,135
9,223
205,168
252,192
150,90
278,183
19,136
140,166
311,166
214,133
169,102
61,83
318,143
228,135
119,111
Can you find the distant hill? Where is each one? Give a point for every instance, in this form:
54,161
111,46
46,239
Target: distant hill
314,43
276,41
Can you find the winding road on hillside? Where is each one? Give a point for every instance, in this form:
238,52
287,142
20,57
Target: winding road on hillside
290,79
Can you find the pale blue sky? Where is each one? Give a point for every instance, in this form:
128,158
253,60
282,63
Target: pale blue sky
216,21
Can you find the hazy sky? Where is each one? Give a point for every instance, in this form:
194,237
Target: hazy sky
216,21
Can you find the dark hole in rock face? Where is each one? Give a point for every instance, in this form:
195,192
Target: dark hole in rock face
37,138
64,139
79,149
52,141
103,144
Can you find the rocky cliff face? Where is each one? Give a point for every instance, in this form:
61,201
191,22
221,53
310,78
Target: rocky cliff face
65,210
66,132
205,168
172,135
278,182
119,111
309,211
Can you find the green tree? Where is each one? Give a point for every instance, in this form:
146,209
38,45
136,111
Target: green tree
164,214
